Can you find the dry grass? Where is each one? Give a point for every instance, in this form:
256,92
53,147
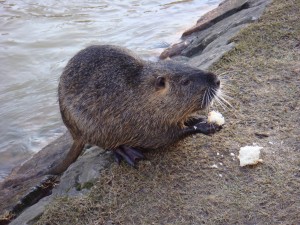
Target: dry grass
179,186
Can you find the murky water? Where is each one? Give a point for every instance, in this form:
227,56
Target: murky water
37,38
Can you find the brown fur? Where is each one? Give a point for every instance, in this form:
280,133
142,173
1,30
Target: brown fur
109,97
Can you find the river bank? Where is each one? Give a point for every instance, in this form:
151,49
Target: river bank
180,186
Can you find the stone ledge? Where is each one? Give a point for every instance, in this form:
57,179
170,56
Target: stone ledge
209,39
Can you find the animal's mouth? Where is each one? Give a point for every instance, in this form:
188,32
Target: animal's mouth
217,95
209,95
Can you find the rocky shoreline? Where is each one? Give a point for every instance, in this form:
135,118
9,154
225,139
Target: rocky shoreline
201,46
207,41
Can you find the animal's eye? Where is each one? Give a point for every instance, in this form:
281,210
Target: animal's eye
185,82
160,82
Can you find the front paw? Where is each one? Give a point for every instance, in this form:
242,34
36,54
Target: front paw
194,120
207,128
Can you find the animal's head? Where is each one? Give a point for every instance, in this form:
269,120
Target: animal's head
178,89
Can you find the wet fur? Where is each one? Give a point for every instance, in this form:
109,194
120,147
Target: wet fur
110,97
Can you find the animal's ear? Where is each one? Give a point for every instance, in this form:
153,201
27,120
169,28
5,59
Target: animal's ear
160,83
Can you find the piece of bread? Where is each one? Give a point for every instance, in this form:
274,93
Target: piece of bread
215,118
249,155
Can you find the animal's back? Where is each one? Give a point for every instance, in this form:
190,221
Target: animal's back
92,88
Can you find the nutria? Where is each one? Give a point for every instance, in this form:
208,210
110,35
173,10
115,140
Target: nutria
111,98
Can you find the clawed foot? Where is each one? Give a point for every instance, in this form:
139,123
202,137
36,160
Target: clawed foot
202,127
207,128
128,154
194,120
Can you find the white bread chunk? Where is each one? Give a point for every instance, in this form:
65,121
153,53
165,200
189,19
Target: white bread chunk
249,155
215,118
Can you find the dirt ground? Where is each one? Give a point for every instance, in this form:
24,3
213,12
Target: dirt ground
181,186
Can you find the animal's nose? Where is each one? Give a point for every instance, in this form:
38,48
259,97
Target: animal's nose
214,80
217,81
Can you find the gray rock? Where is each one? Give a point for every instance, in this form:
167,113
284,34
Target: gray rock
215,50
224,39
81,175
207,45
19,185
181,59
213,43
201,40
33,213
174,50
225,9
204,61
262,3
23,182
76,180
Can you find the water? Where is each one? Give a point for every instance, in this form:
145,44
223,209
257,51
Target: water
37,38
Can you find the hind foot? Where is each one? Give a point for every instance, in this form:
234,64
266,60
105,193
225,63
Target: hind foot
128,154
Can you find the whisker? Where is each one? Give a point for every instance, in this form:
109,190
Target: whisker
216,97
207,103
224,106
210,96
225,96
225,101
203,99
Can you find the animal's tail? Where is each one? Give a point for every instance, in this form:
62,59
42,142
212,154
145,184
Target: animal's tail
71,156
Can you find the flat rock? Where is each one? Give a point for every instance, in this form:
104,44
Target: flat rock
80,176
31,215
215,50
26,185
202,39
225,9
206,46
174,50
204,61
28,175
76,180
